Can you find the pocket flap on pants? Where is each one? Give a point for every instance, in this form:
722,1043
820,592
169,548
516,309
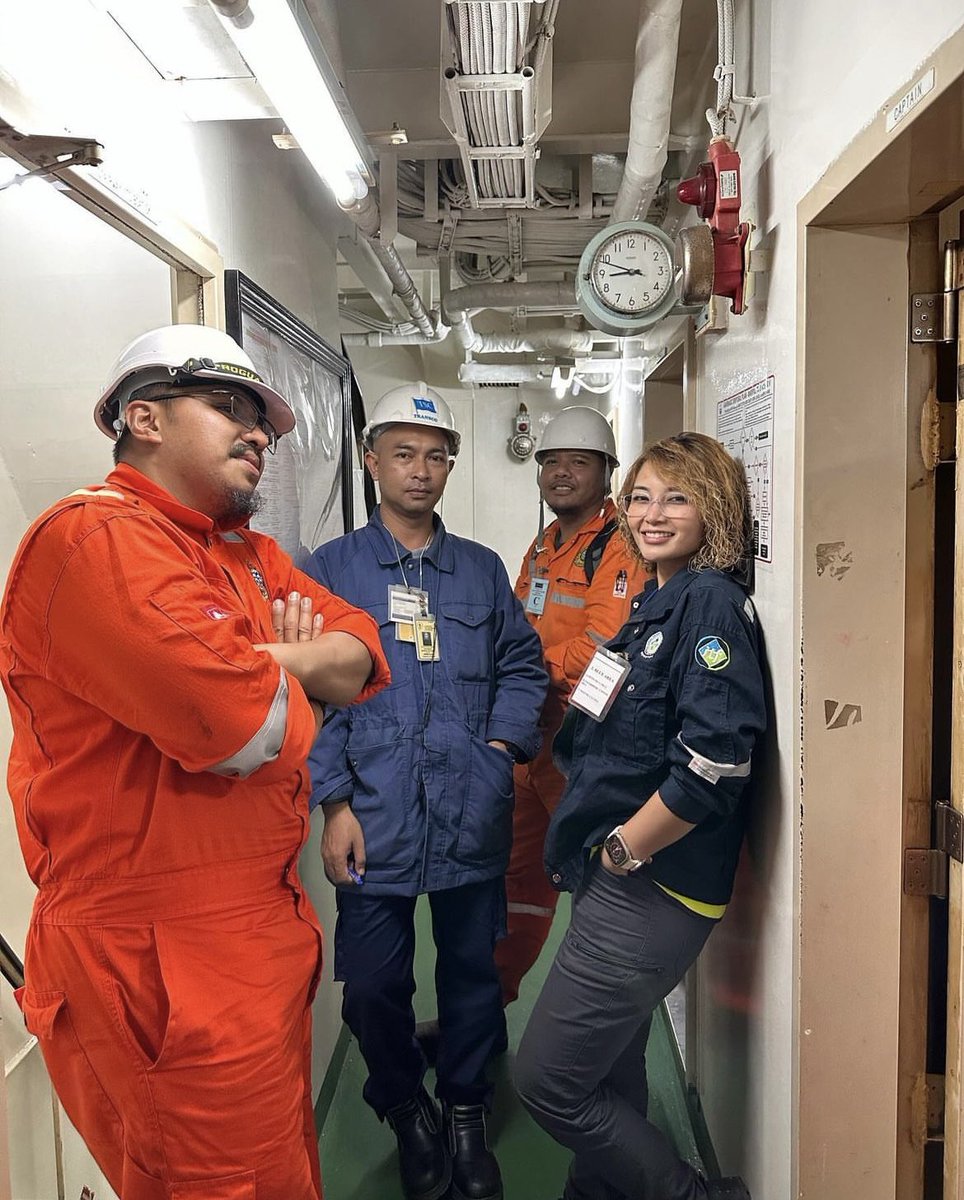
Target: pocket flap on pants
39,1010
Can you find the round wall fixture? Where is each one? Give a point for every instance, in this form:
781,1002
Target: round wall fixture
625,280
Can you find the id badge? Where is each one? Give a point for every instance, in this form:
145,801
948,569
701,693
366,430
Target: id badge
425,639
405,603
536,600
599,684
405,632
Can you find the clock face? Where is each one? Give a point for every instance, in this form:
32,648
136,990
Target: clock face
631,272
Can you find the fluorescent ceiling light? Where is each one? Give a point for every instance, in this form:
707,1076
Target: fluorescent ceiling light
274,47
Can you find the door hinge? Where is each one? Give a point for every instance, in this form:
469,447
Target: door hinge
950,830
934,315
927,317
926,870
925,873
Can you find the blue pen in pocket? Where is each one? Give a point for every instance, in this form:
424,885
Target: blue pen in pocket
356,878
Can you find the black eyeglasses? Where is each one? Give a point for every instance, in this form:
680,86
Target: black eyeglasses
238,406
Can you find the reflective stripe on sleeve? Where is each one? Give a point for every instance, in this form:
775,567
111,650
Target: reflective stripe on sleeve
530,910
568,601
266,743
712,771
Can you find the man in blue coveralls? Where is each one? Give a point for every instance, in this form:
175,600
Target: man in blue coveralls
416,786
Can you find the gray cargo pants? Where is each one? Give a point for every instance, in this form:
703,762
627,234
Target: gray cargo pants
581,1069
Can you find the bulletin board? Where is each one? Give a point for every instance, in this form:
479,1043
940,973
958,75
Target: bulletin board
307,484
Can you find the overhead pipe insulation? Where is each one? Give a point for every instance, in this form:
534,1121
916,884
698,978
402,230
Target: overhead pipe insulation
657,49
366,215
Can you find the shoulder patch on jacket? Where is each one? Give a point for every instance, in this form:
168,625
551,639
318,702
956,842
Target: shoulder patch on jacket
712,653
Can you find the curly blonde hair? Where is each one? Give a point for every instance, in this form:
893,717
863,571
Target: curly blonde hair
715,482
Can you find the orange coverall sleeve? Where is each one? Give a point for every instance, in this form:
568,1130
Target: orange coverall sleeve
133,627
340,616
604,615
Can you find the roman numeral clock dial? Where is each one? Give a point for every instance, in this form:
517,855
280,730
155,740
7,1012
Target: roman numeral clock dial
625,280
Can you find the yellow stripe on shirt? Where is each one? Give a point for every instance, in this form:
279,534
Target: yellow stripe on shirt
713,911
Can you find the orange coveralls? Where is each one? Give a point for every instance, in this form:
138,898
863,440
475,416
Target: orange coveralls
576,617
172,954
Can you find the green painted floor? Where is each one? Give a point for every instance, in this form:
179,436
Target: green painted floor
358,1152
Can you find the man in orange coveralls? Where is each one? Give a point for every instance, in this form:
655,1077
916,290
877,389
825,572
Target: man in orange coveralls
165,669
576,583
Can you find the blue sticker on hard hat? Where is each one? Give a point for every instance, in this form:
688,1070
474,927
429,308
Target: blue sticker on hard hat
423,405
712,653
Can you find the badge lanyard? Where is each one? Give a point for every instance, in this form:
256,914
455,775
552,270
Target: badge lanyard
410,610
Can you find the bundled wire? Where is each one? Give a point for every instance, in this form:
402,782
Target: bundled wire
375,325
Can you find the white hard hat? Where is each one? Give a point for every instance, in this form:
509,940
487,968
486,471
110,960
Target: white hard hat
579,428
179,355
412,404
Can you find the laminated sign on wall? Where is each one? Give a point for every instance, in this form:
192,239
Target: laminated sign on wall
744,424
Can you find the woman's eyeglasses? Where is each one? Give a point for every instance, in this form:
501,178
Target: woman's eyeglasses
671,504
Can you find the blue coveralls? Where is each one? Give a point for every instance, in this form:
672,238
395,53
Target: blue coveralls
684,723
434,801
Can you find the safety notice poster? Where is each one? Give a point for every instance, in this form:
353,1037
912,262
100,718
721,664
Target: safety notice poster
744,424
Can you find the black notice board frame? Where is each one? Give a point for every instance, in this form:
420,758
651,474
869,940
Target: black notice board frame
243,295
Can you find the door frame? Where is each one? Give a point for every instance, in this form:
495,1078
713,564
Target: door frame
864,557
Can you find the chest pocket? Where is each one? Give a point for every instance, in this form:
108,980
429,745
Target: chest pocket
466,637
636,727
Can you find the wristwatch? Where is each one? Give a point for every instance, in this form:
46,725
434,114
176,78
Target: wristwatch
619,852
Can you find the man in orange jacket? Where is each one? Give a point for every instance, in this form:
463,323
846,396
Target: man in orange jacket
165,669
576,582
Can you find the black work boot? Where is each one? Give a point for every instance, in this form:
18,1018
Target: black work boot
475,1171
423,1157
730,1188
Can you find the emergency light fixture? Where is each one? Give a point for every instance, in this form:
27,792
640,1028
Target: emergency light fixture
283,51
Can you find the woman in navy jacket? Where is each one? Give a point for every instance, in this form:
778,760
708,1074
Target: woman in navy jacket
649,828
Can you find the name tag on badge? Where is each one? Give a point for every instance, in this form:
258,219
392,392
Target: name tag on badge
405,603
599,684
426,641
536,600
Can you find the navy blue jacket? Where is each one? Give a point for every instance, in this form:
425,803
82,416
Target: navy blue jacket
684,723
434,800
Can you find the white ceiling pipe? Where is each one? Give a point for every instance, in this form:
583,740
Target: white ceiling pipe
458,304
378,339
599,370
657,48
549,341
365,214
510,295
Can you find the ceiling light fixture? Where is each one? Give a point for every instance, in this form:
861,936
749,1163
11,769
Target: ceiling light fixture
561,381
281,47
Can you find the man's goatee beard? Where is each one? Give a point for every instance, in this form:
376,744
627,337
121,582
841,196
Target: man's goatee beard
239,503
